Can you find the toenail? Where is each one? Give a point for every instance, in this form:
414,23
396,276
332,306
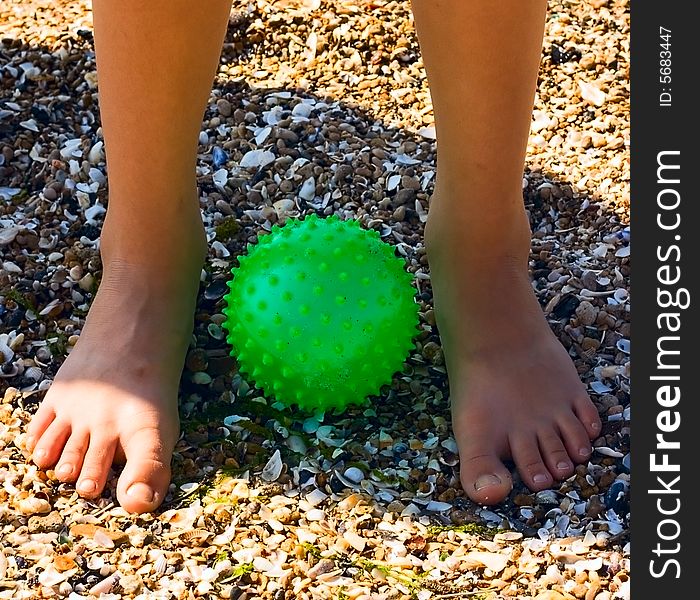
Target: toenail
584,451
64,469
87,486
563,465
140,491
595,426
29,442
485,481
40,453
540,478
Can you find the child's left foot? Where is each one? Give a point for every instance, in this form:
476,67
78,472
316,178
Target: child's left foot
514,390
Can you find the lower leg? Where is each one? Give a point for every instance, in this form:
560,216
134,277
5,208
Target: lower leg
514,390
115,397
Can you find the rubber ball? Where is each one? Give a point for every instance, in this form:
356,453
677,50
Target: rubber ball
320,313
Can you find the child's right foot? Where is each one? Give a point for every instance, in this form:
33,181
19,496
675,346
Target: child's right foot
115,397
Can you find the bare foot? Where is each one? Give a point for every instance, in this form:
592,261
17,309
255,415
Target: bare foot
115,397
515,392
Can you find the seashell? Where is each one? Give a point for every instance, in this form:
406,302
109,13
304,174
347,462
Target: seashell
354,474
491,560
284,207
216,331
256,158
195,536
11,267
33,550
189,487
3,565
605,451
308,190
106,585
449,459
34,506
393,182
220,178
50,577
451,445
231,420
262,134
355,540
34,373
315,497
599,387
626,461
94,211
428,491
219,157
315,514
201,378
97,176
273,469
436,506
311,425
623,345
623,252
160,565
8,234
302,109
547,497
95,562
296,444
621,295
96,155
6,353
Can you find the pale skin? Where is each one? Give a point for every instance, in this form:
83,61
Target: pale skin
515,393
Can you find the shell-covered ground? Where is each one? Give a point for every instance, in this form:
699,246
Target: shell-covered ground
318,107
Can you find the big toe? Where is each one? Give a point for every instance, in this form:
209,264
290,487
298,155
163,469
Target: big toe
146,476
485,478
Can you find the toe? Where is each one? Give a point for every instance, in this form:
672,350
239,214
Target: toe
38,425
575,437
527,457
96,464
146,476
588,415
485,478
71,461
49,446
554,454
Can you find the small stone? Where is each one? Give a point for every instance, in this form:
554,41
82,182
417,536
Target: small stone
88,530
586,313
87,283
550,595
224,107
50,523
405,196
197,360
34,506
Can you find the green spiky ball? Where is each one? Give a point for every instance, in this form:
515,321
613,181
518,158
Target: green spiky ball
320,313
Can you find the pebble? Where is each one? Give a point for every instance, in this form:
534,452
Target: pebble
224,107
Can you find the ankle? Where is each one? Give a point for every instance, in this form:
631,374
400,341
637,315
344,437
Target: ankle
179,242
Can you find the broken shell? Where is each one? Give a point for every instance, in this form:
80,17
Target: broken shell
195,536
605,451
623,345
273,469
